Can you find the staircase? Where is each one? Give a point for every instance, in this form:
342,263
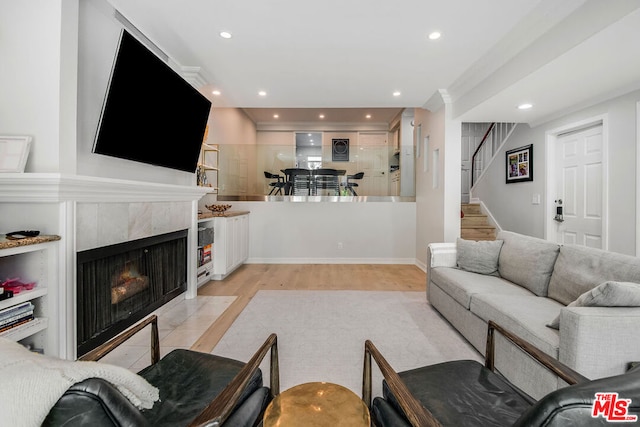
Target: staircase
489,146
474,225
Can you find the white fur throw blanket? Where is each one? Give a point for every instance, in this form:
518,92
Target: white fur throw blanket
31,383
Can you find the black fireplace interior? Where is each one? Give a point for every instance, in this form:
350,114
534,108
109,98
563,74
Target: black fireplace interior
120,284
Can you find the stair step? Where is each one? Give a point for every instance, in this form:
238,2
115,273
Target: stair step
486,232
471,208
474,219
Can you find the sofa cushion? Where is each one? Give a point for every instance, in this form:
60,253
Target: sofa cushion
525,316
607,294
580,269
461,285
478,256
527,261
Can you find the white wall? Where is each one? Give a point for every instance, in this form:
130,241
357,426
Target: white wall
437,187
231,126
98,39
511,204
310,232
37,78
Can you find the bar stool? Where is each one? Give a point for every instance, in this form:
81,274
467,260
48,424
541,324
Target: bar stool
326,179
276,186
349,185
298,181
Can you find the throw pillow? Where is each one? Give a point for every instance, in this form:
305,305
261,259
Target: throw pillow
607,294
478,256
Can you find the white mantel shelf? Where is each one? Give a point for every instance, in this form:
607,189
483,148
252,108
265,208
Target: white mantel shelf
54,187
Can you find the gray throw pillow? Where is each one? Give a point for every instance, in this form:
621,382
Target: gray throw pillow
607,294
478,256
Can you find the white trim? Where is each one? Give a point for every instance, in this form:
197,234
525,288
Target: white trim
490,218
411,261
637,178
551,137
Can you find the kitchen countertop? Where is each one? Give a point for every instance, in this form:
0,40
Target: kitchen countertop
226,214
14,243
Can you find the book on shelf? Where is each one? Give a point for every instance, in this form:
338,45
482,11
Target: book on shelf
15,309
18,316
15,324
206,254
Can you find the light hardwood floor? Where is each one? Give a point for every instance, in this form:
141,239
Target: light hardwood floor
250,278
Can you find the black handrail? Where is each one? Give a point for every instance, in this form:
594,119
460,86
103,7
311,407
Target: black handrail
475,153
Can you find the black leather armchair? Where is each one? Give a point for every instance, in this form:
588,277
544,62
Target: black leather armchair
467,393
196,389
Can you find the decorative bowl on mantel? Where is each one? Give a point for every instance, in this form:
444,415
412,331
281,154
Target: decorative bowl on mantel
218,209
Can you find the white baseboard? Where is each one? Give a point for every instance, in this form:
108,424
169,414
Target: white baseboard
410,261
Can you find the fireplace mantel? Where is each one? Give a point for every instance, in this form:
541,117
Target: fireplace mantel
54,187
65,204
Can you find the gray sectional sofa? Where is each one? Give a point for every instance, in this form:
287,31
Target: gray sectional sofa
525,284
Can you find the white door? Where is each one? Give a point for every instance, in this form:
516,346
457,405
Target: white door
373,159
580,179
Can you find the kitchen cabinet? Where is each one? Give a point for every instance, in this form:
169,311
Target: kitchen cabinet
34,260
394,184
230,244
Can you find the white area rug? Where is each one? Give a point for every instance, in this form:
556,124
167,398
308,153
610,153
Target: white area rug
321,334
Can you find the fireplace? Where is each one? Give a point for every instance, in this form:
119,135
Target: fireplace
120,284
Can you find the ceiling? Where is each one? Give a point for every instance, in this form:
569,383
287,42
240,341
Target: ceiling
492,56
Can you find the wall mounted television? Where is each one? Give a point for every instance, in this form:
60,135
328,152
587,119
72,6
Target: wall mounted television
150,113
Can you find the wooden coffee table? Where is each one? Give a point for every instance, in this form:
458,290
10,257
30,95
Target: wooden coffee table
317,404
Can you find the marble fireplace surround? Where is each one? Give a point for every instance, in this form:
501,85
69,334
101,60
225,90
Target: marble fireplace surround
91,212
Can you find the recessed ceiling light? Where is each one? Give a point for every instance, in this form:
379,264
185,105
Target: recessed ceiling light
275,116
368,116
262,93
225,34
216,92
434,35
525,106
397,93
321,116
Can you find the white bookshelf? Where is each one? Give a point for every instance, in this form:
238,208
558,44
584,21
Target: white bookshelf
32,263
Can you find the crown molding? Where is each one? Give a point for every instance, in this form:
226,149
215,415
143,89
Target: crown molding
195,76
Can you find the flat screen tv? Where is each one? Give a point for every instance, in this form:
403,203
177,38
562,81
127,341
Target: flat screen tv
150,113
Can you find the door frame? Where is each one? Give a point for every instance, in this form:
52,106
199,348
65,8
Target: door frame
551,138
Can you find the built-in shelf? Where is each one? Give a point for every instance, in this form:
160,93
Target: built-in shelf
34,261
23,296
26,330
208,167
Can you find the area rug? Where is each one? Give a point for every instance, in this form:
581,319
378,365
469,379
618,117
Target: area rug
321,334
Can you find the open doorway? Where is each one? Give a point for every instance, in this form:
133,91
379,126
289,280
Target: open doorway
308,150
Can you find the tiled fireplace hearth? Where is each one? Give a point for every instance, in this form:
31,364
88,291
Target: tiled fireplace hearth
90,213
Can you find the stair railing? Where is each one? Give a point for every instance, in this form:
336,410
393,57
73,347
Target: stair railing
496,134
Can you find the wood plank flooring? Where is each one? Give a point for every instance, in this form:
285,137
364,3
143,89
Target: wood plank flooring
250,278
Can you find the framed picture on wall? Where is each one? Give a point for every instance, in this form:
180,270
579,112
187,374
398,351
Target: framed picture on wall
520,164
340,150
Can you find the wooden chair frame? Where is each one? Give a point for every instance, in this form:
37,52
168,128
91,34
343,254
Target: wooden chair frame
417,414
220,408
